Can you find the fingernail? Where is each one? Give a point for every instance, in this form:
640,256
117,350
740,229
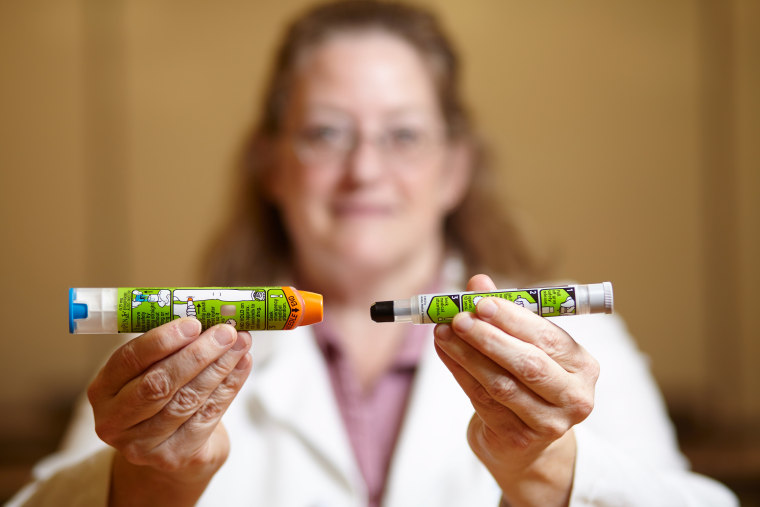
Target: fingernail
443,332
242,340
224,335
486,308
190,327
244,362
463,321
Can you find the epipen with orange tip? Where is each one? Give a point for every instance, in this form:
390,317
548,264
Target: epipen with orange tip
138,309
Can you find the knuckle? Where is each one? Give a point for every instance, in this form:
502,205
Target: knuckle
588,367
582,407
155,386
130,357
482,398
492,339
198,357
218,368
578,403
549,339
593,369
553,429
531,368
184,403
105,432
232,384
109,428
503,389
210,411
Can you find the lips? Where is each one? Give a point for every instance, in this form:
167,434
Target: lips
362,210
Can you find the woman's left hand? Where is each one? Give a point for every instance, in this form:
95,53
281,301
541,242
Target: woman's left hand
529,383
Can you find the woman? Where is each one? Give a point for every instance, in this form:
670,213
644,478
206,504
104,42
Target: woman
364,182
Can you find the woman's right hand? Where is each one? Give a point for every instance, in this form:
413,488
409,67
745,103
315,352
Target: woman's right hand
159,400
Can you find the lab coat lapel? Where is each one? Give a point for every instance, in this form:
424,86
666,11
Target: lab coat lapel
293,387
438,416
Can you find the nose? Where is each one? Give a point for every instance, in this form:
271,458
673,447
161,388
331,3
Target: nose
364,163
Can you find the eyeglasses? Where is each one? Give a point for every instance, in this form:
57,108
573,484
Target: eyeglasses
326,145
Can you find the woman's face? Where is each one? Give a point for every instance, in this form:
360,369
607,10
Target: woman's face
365,174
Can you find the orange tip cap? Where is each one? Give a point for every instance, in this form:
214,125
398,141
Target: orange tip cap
312,308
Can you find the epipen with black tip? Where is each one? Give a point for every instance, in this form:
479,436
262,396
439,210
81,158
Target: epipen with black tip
557,301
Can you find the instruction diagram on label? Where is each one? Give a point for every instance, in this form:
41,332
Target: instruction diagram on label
556,302
141,309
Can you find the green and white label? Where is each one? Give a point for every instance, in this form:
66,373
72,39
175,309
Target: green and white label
558,301
549,302
249,308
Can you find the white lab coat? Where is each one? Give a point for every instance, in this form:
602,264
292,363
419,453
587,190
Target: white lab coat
288,446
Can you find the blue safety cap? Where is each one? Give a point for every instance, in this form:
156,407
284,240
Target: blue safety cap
76,310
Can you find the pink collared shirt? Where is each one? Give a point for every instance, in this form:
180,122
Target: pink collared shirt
373,419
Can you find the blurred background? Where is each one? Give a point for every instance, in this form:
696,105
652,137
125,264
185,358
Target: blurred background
628,133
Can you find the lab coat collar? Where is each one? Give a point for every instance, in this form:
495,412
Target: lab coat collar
438,412
291,384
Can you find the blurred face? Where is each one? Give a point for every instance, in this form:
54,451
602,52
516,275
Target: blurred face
366,174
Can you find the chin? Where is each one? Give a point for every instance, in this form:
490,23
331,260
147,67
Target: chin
375,252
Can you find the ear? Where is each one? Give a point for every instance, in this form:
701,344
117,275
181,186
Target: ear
457,173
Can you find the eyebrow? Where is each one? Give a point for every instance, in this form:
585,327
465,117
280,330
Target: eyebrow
391,114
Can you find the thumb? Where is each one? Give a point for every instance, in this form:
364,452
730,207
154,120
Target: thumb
480,283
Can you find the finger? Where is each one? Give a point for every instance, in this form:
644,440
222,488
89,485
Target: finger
144,396
529,327
487,441
190,397
479,283
495,394
197,429
134,357
530,365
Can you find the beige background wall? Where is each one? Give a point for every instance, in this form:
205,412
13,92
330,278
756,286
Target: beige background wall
627,133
